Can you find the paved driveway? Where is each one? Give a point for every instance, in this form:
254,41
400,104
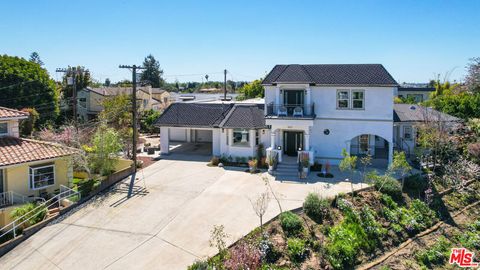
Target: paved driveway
166,225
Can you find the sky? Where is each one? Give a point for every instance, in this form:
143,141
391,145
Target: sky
414,40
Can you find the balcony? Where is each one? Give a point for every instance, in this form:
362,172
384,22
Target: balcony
294,111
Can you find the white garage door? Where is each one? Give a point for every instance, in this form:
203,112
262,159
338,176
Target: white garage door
204,135
178,134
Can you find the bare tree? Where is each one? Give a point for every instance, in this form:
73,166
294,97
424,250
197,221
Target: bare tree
275,196
260,205
217,239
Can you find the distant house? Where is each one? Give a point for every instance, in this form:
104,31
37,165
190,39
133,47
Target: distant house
28,168
90,99
417,92
199,97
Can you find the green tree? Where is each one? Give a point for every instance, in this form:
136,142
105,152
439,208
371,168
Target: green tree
105,146
35,58
107,82
472,80
25,84
348,164
152,72
117,115
148,119
27,126
400,165
254,89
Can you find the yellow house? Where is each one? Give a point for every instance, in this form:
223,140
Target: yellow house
29,169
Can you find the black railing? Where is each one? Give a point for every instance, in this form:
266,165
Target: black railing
291,110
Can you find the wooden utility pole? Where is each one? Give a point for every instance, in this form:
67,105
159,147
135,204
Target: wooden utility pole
134,111
224,84
72,71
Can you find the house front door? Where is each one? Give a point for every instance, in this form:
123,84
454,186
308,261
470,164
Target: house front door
363,142
292,142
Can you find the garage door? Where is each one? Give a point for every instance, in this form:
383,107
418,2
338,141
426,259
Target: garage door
203,135
178,134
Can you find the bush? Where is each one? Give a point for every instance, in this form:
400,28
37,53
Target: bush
200,265
86,186
315,207
370,224
436,255
30,218
471,237
291,223
388,185
214,161
243,256
296,249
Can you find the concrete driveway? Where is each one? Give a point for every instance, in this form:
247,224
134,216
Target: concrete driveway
166,225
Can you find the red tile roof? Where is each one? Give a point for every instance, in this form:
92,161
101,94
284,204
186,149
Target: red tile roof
15,150
11,113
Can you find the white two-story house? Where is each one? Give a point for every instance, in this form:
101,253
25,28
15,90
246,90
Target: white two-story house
325,108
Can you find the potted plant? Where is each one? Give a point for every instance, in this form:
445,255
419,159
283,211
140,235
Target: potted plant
272,161
305,160
252,165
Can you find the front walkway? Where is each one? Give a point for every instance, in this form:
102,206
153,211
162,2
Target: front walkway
165,225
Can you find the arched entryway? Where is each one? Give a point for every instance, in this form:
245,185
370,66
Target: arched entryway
375,146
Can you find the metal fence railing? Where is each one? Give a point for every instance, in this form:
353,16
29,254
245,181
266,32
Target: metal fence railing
291,110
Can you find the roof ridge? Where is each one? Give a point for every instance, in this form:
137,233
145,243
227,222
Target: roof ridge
308,73
46,142
14,110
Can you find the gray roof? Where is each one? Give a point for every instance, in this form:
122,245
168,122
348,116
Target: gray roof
416,89
212,115
331,74
245,116
417,113
193,115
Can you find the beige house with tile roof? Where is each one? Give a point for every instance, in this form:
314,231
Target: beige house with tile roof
28,168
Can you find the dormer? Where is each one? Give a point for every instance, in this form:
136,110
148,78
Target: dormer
9,119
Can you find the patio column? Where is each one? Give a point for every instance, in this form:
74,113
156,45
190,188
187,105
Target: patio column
277,95
306,142
273,136
164,140
390,152
308,101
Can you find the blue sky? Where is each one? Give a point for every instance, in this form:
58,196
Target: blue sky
413,39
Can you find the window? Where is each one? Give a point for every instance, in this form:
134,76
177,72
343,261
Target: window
407,133
1,181
357,99
145,103
257,137
343,99
240,137
42,176
3,128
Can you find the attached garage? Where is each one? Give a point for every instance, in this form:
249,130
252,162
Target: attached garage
178,134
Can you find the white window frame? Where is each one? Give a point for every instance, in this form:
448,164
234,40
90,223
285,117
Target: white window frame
6,124
341,99
242,144
31,174
405,128
353,99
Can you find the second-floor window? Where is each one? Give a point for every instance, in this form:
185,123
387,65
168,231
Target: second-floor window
350,99
3,128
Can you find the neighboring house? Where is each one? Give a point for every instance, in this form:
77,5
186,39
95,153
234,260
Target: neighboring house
321,109
90,100
418,93
200,97
163,98
407,116
28,168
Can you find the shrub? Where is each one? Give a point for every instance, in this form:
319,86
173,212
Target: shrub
315,207
388,185
296,249
291,223
214,161
369,222
86,186
30,218
243,256
436,255
268,251
471,237
417,218
200,265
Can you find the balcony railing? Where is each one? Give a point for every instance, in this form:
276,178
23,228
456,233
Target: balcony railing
291,110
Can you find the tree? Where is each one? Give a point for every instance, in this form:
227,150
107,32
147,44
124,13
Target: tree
348,164
365,161
107,82
400,165
472,79
217,239
35,58
260,205
148,119
152,72
254,89
103,154
27,126
117,115
24,84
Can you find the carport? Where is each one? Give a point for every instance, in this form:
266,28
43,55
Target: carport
192,128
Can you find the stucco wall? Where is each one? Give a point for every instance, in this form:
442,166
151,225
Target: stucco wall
17,177
12,127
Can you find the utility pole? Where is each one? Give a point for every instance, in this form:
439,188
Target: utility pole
134,111
72,71
224,84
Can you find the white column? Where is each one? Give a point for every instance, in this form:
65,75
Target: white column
164,140
306,140
273,134
188,134
390,152
308,100
277,95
